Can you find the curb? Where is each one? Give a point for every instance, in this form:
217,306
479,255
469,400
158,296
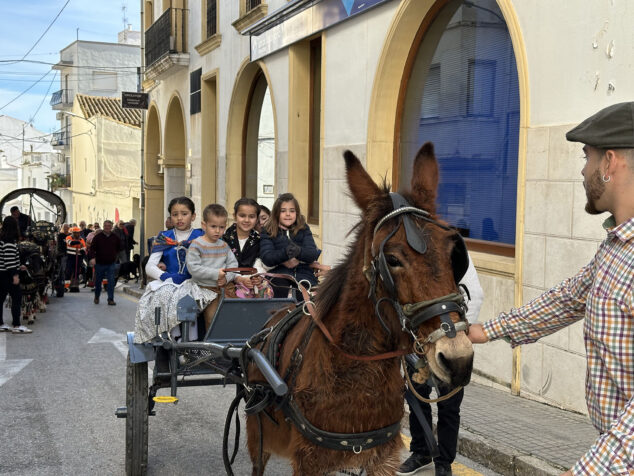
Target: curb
132,291
502,458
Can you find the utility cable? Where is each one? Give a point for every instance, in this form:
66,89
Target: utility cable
45,31
26,90
43,98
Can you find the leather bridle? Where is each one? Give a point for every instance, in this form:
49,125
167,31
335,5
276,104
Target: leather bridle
411,316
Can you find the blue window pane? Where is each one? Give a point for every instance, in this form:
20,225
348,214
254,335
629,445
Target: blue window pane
469,109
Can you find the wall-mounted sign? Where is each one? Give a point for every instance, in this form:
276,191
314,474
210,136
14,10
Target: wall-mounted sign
131,100
291,23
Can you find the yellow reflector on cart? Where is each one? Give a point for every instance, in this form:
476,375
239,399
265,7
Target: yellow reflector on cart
165,399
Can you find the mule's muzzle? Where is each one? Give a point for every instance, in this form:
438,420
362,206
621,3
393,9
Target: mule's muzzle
459,369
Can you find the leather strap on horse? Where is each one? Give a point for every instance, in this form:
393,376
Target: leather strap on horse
309,309
356,442
233,408
410,386
427,431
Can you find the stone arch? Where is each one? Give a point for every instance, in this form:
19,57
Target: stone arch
152,173
245,85
174,150
410,24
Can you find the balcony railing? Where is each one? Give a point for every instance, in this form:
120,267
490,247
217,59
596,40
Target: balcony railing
251,4
167,35
63,97
60,139
59,181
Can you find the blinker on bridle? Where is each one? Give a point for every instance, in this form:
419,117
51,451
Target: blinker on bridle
411,316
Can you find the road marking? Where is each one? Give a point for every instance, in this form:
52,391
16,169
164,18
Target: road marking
8,368
456,468
105,336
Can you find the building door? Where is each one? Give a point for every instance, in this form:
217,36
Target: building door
259,145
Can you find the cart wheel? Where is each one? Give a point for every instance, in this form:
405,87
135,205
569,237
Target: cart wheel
136,427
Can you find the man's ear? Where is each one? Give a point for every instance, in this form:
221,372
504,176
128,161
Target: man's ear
611,159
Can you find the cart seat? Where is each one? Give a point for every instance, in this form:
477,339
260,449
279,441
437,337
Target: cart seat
236,320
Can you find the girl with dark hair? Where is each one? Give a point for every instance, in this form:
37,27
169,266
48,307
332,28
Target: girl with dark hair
241,236
287,244
263,218
244,240
10,275
170,246
167,266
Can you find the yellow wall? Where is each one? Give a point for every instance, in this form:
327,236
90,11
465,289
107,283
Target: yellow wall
105,168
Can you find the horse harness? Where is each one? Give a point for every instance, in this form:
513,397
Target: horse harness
411,316
259,397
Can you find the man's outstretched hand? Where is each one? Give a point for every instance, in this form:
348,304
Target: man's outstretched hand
477,335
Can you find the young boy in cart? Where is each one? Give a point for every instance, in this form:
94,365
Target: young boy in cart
208,257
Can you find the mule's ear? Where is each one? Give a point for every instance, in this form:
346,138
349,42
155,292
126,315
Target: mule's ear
361,185
425,178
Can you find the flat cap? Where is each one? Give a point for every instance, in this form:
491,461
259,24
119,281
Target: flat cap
610,128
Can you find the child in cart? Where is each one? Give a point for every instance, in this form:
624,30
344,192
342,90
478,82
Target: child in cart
244,240
167,266
209,256
287,245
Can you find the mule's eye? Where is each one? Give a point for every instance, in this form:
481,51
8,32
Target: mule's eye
392,260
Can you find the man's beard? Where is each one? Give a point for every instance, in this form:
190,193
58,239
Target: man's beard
594,189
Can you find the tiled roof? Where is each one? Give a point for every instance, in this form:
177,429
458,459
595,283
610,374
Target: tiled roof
108,107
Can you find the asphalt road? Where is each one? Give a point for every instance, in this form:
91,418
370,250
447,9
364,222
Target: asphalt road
60,386
57,412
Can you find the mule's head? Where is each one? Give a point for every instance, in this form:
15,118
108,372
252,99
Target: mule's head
412,260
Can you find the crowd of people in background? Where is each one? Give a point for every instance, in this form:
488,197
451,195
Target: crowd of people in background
95,255
85,255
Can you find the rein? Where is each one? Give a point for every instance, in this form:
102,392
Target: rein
308,308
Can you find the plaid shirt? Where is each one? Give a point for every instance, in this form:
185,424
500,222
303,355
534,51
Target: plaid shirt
602,293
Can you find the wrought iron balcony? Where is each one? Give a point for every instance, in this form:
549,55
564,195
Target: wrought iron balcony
251,4
167,36
62,98
60,139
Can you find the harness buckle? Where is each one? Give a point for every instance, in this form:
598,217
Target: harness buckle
420,347
305,309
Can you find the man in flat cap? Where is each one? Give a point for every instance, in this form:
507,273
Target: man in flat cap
601,293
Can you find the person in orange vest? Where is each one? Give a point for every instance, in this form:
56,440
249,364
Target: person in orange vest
75,251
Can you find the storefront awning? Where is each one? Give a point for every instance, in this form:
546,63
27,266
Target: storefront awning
301,19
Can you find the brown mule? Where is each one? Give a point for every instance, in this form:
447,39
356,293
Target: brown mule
344,395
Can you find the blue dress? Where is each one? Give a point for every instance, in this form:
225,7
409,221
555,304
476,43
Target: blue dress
174,255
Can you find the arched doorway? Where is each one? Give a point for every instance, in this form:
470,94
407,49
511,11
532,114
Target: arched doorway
462,94
154,209
259,145
251,138
174,151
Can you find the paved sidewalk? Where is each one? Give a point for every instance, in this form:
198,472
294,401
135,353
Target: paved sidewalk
516,436
510,435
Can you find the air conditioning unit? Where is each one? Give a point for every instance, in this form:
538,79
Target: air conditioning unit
59,116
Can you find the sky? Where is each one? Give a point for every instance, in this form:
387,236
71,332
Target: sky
22,22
